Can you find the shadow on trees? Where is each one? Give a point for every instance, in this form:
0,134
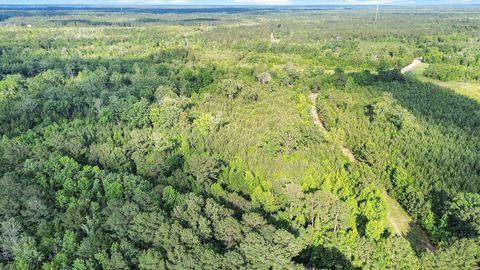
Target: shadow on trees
453,115
320,257
418,239
436,104
271,220
446,116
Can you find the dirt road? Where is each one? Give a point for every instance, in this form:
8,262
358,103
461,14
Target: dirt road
416,62
316,120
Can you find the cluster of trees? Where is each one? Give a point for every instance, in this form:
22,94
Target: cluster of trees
452,50
452,73
119,221
452,57
143,148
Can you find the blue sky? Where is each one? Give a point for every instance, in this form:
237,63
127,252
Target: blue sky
237,2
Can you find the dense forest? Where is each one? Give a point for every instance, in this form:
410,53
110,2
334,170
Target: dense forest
238,138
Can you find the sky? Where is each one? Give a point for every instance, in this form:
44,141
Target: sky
238,2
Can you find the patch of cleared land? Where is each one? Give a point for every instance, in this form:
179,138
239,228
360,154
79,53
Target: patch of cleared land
402,224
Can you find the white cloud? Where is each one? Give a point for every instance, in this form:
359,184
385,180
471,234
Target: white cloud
264,2
378,2
158,2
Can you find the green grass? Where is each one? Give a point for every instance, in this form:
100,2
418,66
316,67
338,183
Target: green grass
398,220
468,89
418,70
402,224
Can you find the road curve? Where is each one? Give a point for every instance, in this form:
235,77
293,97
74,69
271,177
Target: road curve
411,66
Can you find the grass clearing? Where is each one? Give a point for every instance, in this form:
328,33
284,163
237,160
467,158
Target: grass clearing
402,224
397,218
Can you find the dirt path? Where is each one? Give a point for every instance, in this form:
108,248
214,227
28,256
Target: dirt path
348,153
316,120
397,219
415,62
314,113
393,224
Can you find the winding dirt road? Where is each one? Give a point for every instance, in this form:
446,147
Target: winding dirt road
316,120
401,223
314,113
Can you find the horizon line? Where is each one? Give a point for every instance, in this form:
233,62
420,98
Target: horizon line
238,5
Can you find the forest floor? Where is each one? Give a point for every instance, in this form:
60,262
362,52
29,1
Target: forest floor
348,153
397,218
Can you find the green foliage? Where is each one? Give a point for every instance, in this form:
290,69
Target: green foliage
374,229
452,73
170,197
204,124
461,254
184,140
464,214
